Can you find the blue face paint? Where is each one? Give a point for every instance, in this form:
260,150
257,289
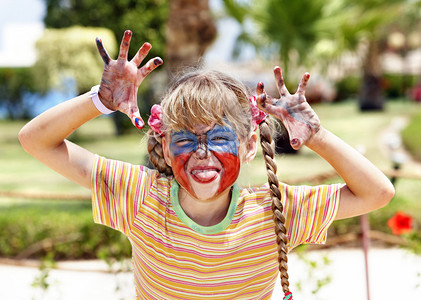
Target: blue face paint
218,139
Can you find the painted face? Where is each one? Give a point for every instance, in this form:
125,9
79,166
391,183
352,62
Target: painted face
207,159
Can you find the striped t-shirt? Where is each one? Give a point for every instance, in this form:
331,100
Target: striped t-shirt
175,258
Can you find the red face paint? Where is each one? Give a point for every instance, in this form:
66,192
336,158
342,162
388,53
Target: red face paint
179,170
229,173
231,164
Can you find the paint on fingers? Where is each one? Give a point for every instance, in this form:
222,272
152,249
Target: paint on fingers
261,100
104,55
303,84
127,35
138,122
260,88
150,66
157,61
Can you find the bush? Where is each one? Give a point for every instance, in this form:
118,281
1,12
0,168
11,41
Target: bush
65,229
347,88
410,136
15,85
397,85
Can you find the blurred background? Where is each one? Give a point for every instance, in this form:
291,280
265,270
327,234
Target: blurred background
364,57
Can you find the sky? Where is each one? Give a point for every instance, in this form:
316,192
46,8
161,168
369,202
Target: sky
20,26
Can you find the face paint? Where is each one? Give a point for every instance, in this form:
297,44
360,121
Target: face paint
221,141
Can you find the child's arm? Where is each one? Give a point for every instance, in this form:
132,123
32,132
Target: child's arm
367,188
45,136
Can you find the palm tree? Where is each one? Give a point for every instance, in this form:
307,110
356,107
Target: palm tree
365,22
190,31
280,27
296,27
290,26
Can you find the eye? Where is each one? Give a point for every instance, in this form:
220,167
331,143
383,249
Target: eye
220,139
183,141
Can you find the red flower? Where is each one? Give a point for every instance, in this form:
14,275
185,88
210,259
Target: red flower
400,223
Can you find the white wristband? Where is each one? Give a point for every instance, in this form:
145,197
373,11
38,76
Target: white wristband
98,104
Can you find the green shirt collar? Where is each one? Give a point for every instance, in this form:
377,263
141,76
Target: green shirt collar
199,228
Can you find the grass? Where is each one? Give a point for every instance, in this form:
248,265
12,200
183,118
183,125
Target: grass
19,172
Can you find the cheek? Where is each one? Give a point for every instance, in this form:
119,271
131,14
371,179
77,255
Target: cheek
179,170
231,164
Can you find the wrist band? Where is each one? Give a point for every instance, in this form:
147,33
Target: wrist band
97,102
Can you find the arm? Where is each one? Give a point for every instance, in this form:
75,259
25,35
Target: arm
366,187
45,136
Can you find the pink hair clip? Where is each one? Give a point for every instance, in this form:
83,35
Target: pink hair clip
155,119
257,115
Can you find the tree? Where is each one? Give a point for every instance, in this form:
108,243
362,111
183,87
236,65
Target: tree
291,26
15,84
286,29
190,31
146,18
299,27
70,54
366,21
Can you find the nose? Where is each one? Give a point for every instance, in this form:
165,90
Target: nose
202,147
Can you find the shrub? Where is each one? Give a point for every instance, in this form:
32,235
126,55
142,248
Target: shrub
410,136
65,229
397,85
348,87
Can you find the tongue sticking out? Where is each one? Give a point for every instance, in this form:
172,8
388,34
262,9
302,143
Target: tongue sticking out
204,176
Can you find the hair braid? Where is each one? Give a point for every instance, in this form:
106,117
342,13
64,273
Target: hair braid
267,143
156,155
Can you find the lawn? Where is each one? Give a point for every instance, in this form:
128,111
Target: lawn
21,174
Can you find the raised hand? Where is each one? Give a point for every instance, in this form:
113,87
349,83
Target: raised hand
293,110
121,78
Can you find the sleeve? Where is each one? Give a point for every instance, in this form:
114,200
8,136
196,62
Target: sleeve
309,211
118,190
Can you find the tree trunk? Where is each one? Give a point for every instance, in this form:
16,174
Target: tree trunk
190,31
371,93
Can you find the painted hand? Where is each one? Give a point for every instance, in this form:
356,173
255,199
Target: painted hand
293,110
121,78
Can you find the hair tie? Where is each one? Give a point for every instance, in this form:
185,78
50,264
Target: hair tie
257,115
155,119
288,296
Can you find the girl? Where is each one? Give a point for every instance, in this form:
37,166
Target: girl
195,233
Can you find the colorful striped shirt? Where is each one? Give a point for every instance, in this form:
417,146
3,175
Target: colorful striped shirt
175,258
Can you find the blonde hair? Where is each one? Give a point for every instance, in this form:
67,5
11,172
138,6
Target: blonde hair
206,97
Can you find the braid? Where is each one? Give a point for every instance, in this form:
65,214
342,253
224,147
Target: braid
156,155
267,143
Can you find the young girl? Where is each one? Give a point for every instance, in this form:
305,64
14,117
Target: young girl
195,233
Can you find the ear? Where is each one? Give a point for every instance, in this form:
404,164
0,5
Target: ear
166,151
251,148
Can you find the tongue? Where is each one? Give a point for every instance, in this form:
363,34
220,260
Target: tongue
206,175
